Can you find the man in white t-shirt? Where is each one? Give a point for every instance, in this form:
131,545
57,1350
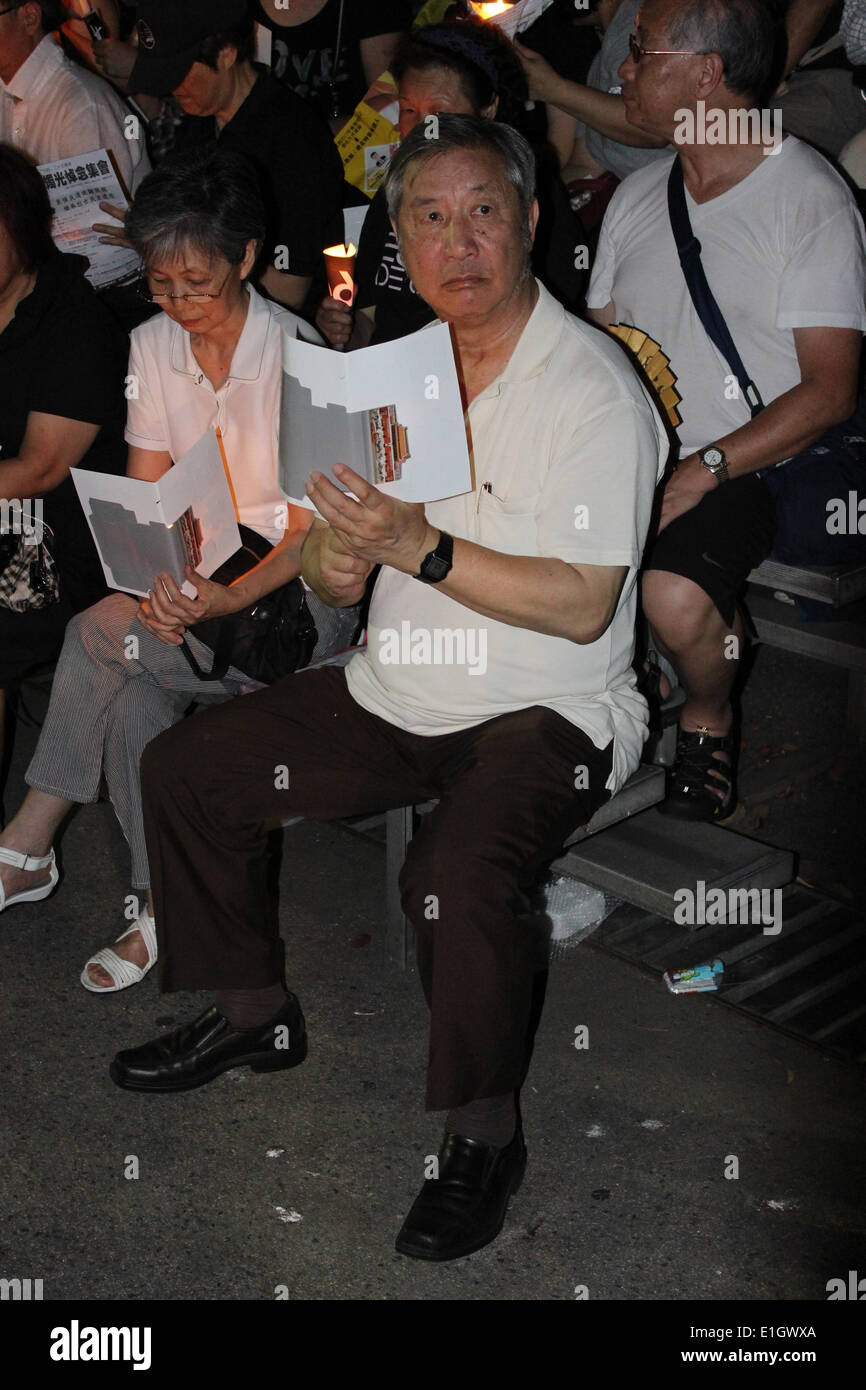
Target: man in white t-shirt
51,107
783,252
497,678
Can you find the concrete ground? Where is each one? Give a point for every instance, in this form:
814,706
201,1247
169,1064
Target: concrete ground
687,1153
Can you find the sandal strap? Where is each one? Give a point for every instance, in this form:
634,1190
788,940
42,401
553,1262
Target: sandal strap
123,973
696,760
26,861
147,926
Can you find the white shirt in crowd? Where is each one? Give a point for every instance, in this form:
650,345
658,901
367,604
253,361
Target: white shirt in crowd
53,108
567,450
176,403
783,249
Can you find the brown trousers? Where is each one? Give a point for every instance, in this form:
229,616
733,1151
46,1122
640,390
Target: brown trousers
214,785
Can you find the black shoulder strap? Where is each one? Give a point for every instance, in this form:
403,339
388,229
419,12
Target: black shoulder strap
708,311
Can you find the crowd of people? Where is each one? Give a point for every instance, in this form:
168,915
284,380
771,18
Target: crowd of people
687,170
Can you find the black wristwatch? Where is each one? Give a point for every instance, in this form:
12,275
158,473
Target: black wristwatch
437,563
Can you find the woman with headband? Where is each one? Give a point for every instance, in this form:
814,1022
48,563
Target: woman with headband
469,68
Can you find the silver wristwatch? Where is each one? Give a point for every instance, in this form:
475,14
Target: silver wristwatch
714,460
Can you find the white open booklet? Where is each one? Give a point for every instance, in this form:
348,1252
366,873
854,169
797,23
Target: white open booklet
392,412
143,529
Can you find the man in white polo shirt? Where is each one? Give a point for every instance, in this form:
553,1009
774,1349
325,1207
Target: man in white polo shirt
50,107
521,735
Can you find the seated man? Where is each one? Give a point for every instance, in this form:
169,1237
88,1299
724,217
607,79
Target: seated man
51,107
771,219
538,566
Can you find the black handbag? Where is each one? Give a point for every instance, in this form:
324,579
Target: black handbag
266,640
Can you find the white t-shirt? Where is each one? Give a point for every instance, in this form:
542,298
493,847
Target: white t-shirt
782,249
53,108
176,404
567,450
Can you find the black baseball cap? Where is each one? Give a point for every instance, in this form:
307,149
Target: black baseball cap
170,35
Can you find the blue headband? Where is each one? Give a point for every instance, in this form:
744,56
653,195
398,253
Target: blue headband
465,46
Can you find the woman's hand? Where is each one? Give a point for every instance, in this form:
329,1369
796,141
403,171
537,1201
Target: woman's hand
167,613
112,236
335,321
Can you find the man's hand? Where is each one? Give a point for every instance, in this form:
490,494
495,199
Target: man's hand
332,570
115,60
335,321
688,483
376,528
112,236
167,613
543,80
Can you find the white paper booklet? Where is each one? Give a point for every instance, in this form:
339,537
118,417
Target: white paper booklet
392,412
144,529
76,186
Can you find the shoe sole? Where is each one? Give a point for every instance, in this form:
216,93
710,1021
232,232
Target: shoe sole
256,1062
435,1257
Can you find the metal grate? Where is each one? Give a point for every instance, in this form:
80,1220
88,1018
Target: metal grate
808,980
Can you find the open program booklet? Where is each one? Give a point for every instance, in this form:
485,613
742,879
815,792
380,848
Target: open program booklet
392,413
144,529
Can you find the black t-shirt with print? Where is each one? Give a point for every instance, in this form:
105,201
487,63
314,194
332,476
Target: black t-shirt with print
299,169
303,54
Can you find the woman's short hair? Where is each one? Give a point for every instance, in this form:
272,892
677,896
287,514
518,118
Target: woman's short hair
25,209
209,201
453,132
481,57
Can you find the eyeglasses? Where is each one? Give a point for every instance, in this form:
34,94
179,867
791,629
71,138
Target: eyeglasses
198,297
637,52
10,8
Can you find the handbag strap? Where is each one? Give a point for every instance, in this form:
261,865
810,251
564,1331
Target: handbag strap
708,311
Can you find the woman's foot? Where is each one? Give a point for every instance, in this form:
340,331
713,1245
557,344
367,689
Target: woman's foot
27,878
124,963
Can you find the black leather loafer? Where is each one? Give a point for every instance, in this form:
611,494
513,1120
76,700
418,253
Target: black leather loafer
197,1052
464,1208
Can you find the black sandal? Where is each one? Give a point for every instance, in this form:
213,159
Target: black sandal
690,795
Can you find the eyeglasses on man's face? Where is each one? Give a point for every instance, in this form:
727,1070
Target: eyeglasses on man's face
637,52
191,297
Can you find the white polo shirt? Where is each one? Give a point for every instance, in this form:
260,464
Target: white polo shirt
176,403
567,450
52,108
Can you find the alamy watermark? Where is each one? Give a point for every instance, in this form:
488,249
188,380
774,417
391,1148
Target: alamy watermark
702,906
735,127
22,518
439,646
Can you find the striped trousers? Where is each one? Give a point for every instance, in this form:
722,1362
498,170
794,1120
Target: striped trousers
116,687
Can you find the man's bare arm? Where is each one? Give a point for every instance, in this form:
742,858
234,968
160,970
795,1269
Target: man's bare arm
604,111
541,593
803,22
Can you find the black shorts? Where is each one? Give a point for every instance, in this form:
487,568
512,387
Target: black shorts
719,541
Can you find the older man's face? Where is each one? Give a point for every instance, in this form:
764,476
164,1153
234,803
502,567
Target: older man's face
655,88
462,235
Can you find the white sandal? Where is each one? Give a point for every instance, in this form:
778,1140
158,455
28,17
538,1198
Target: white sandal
123,972
28,862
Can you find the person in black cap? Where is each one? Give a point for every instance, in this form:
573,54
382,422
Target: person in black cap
201,53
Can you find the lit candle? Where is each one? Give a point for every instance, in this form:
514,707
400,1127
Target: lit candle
340,266
489,8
